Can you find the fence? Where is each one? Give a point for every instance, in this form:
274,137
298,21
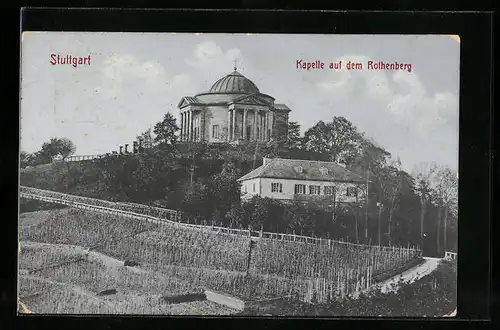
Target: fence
159,215
82,157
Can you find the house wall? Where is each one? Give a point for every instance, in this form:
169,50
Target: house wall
247,188
289,189
279,124
216,115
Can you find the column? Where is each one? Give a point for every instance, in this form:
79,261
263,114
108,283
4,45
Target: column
234,125
191,126
262,132
188,128
182,126
185,126
228,137
184,116
271,124
255,125
245,124
266,124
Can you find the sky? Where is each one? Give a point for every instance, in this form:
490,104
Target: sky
135,78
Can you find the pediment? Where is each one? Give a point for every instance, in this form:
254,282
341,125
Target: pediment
251,99
187,100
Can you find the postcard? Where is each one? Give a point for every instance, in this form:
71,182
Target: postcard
238,174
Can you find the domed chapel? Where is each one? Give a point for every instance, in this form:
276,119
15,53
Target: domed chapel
233,110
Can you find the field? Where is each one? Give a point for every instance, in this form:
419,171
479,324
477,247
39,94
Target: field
95,283
69,255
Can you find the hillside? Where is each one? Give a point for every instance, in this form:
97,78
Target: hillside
79,281
214,260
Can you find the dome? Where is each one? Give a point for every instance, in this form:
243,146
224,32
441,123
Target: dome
234,82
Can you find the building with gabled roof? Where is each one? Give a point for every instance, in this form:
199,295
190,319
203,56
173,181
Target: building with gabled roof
304,180
233,110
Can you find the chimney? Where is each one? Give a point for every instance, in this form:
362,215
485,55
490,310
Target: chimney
126,147
135,147
265,161
121,150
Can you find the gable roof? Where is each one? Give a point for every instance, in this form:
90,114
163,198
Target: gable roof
311,170
187,100
250,99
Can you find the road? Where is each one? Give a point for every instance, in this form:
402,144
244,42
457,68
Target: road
409,276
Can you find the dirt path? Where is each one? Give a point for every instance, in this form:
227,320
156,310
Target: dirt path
409,276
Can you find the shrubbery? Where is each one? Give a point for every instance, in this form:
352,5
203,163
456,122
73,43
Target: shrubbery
199,179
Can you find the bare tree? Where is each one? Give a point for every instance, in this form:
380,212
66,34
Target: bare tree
423,174
391,187
147,138
445,191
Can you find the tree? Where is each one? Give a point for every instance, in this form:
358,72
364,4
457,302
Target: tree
338,138
225,190
165,130
25,159
147,139
294,141
64,147
236,216
423,174
277,145
56,147
445,190
392,181
195,199
195,151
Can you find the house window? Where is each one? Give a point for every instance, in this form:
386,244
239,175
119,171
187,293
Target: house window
329,190
215,131
300,189
298,169
276,187
352,191
323,170
254,187
314,190
245,189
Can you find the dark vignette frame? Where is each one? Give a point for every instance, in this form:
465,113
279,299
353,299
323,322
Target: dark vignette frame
475,154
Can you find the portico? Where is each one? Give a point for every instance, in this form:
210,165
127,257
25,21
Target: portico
249,124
